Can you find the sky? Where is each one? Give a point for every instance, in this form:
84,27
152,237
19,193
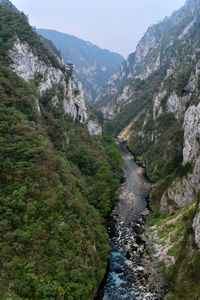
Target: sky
116,25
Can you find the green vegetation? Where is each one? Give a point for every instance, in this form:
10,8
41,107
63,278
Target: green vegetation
51,47
169,145
14,25
163,158
142,94
182,278
157,139
85,56
57,185
173,250
51,202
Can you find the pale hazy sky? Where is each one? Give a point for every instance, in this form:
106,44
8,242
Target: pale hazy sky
116,25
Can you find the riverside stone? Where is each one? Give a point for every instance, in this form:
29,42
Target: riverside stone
127,230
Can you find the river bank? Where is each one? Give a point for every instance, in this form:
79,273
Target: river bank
133,271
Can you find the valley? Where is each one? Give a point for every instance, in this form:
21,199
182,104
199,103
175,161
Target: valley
80,211
134,273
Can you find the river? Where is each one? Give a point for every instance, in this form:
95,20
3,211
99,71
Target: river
130,266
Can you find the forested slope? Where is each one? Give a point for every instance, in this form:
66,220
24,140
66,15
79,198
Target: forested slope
57,182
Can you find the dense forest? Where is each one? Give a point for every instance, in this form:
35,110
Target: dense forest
57,185
58,182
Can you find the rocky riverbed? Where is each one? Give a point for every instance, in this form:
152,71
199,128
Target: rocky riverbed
133,271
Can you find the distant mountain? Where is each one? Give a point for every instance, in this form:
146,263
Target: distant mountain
93,65
137,65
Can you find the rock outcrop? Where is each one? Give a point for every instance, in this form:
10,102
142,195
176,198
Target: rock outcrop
191,133
147,59
196,227
94,128
28,66
93,65
183,191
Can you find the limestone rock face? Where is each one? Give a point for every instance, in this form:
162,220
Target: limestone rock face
146,44
196,227
129,68
157,51
182,191
140,64
28,66
110,109
116,79
93,65
176,105
191,133
74,103
94,128
157,108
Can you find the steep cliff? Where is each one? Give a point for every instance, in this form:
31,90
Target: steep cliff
93,65
116,91
54,79
154,54
156,107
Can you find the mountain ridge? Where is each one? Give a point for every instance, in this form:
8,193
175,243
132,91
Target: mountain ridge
136,60
156,111
93,65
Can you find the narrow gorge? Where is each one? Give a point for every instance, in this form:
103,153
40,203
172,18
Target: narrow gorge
133,271
152,102
63,175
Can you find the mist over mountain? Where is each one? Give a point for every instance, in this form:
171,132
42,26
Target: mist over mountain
93,65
